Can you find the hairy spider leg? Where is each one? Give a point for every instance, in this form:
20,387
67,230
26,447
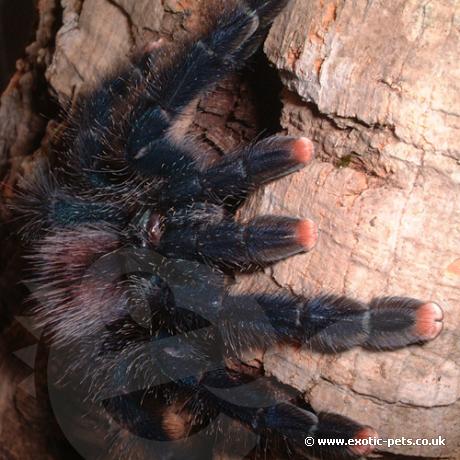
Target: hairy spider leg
44,204
260,242
137,111
282,424
239,173
274,412
328,323
152,146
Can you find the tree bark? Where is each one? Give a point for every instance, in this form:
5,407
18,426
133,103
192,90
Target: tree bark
375,84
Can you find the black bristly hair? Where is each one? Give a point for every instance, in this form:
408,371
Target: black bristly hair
131,237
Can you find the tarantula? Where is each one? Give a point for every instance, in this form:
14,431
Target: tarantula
134,235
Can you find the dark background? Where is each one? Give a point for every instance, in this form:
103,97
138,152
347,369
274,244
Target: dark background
17,24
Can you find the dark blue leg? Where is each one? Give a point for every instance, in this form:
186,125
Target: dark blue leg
241,172
182,76
43,204
227,243
130,121
234,37
329,323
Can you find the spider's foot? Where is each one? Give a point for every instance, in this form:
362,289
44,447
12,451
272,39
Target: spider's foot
268,239
361,447
273,158
395,322
240,172
346,437
429,317
303,150
262,241
307,234
323,435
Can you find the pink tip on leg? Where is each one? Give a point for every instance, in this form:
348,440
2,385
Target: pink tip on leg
303,150
307,234
429,318
364,436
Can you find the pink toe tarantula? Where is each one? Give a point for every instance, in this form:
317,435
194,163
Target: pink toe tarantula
133,245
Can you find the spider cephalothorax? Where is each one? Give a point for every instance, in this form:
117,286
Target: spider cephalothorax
133,230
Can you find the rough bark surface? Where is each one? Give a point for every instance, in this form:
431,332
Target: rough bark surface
376,85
